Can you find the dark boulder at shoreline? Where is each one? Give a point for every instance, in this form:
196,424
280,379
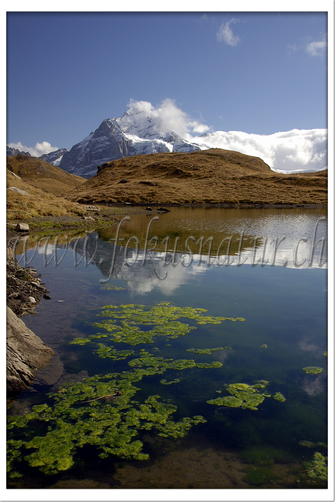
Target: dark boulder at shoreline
25,354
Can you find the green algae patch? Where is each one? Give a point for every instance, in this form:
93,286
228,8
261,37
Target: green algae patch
264,346
165,382
204,351
279,397
126,323
100,412
325,354
312,370
309,444
214,364
242,396
230,401
80,341
316,471
109,352
111,287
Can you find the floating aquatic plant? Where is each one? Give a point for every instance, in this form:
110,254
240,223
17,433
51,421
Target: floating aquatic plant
242,396
309,444
158,365
80,417
80,341
317,470
325,354
111,353
264,346
165,382
214,364
204,351
312,370
112,287
101,411
279,397
123,323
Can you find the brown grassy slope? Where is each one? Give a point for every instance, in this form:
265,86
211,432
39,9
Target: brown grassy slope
210,176
43,200
42,175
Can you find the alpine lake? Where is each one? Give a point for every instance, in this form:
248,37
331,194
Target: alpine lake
190,352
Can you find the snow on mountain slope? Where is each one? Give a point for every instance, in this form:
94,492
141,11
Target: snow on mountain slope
54,158
132,134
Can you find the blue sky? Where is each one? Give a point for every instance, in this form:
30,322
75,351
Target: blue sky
259,73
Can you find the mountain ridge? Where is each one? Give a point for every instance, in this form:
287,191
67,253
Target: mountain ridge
145,130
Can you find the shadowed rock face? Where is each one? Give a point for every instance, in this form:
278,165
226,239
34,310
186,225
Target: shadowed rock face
25,354
106,143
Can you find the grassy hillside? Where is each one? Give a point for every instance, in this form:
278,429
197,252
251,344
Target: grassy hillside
210,176
42,185
42,175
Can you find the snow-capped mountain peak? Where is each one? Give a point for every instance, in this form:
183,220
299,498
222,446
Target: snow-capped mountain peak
137,132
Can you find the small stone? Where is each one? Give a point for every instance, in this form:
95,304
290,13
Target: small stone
46,297
17,190
22,227
36,284
32,299
148,208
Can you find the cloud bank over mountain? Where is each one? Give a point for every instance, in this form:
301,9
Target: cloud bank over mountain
291,151
37,150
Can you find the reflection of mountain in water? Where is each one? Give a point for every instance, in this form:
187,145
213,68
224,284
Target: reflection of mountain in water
189,243
141,271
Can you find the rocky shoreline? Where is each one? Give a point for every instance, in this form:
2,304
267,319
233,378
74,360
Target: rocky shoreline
25,351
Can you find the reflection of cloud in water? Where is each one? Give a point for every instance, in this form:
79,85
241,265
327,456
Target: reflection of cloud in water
316,386
306,345
144,279
222,356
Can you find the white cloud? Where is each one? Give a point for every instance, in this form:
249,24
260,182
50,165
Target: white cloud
225,33
316,48
292,151
36,151
163,118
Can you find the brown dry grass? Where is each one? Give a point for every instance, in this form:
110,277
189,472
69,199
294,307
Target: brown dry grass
44,185
212,176
37,203
42,175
